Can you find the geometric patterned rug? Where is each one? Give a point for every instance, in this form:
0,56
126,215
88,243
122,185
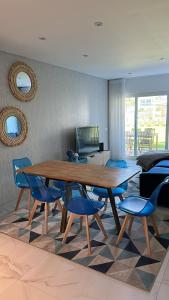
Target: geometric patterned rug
128,262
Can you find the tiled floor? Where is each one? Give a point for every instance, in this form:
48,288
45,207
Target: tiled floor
128,261
29,273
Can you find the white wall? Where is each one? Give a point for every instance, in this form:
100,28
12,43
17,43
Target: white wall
147,84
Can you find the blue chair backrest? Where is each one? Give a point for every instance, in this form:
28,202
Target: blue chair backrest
18,164
60,184
72,158
38,189
34,182
118,164
73,191
70,155
154,196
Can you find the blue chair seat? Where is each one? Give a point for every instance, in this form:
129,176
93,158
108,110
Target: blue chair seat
102,192
23,185
137,206
84,206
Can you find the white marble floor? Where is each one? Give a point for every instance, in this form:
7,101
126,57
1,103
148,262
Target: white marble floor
29,273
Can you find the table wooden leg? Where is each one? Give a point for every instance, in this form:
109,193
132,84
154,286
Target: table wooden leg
84,191
63,220
84,187
114,210
42,207
68,195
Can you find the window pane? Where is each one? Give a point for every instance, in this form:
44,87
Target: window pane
151,123
129,125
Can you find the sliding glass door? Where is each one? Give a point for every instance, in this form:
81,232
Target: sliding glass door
146,124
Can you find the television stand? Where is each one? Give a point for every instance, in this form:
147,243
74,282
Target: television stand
98,158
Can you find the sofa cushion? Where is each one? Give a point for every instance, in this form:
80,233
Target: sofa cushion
159,170
163,163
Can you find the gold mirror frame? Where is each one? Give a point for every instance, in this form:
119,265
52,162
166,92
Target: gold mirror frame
14,70
6,113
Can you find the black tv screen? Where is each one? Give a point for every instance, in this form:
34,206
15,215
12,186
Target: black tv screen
87,139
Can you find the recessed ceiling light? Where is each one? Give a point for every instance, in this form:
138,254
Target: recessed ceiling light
162,59
42,38
85,55
98,23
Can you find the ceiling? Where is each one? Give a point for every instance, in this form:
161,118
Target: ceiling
133,38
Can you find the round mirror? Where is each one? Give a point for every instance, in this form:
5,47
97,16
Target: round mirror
13,126
22,81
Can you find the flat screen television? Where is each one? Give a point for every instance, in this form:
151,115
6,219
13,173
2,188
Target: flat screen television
87,139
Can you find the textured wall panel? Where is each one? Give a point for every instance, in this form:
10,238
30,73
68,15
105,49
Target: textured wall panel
65,99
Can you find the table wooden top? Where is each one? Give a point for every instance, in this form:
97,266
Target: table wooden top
88,174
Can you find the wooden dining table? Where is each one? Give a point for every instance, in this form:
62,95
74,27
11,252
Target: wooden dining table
85,174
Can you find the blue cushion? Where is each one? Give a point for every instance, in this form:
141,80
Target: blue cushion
102,192
159,170
22,185
84,206
137,206
163,163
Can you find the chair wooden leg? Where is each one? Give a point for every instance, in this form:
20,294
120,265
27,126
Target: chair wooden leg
153,218
46,216
29,200
59,205
55,205
127,217
68,227
144,220
81,222
19,198
100,224
88,234
49,209
121,197
105,206
130,224
36,203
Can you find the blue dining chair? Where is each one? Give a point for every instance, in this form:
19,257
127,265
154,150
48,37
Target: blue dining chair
20,179
118,191
62,185
81,206
42,195
77,159
137,206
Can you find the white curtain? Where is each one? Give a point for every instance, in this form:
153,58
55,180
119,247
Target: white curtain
117,118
